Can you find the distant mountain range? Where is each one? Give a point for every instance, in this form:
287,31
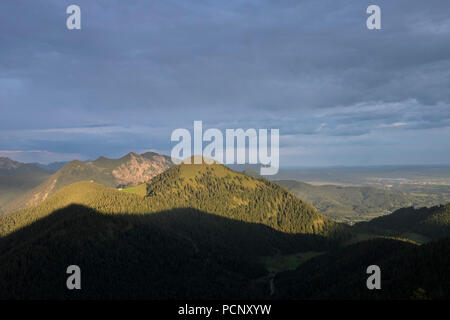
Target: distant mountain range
132,169
11,167
17,178
8,164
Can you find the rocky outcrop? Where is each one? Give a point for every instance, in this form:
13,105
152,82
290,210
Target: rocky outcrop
139,169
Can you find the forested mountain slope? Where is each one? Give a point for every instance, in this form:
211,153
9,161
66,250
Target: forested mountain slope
210,188
129,170
433,223
163,245
408,271
205,232
217,189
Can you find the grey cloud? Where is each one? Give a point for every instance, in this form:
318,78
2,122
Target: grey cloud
302,66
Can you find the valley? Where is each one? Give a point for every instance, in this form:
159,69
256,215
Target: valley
356,194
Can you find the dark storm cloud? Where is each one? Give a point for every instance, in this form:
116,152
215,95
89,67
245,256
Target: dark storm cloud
139,69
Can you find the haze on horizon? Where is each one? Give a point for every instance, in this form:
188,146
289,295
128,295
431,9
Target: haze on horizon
339,93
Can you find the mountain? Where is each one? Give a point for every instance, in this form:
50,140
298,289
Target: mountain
206,232
52,167
432,223
132,169
214,188
8,164
199,232
408,270
219,190
10,167
17,178
353,204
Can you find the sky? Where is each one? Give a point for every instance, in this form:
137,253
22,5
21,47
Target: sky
340,94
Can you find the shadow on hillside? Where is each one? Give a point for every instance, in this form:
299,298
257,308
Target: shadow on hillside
177,254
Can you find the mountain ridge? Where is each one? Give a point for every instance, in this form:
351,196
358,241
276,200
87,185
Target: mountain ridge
218,189
157,238
17,178
211,188
131,169
8,164
207,221
433,222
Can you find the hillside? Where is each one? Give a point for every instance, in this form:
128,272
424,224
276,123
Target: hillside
203,231
17,178
210,188
433,223
219,190
408,271
353,204
130,170
183,226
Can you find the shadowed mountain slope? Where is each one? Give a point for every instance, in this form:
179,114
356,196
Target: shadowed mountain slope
408,271
179,253
200,231
433,223
217,189
17,178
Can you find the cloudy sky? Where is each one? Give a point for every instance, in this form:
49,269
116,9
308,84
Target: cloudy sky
339,93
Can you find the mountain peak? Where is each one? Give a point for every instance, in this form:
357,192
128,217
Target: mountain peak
150,154
8,164
217,189
199,160
130,155
101,158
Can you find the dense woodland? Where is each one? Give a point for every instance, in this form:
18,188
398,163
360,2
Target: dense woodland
433,223
199,231
219,190
409,271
